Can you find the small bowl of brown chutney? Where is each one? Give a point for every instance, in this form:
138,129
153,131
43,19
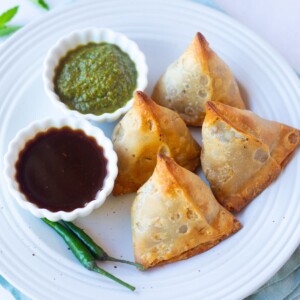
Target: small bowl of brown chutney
60,168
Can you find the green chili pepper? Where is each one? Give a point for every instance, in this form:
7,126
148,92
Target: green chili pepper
82,253
96,250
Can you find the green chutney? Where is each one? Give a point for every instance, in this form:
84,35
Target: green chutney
95,78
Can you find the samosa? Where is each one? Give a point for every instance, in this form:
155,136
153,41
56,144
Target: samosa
243,153
197,76
141,134
175,216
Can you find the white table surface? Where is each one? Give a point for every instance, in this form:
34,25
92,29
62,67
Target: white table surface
277,21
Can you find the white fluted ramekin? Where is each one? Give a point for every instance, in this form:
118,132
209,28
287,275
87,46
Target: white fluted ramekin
82,37
28,133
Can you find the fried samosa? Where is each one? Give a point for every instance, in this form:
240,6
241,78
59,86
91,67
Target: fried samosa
175,216
198,76
243,153
138,137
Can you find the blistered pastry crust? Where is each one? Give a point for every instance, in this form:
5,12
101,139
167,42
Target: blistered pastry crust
144,131
243,153
196,77
176,216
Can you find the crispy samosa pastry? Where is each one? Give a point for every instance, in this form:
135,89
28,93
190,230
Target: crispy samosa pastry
175,216
138,137
243,153
198,76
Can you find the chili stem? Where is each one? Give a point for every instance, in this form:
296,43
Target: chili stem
112,277
81,252
139,266
95,249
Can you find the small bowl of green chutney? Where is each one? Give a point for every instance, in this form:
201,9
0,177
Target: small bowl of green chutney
93,74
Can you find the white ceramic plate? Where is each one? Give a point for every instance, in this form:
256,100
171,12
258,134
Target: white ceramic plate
36,260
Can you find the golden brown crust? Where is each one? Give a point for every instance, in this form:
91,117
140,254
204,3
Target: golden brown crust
202,51
248,191
197,76
288,141
139,136
243,153
175,216
202,247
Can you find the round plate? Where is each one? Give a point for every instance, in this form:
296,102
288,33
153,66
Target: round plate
36,260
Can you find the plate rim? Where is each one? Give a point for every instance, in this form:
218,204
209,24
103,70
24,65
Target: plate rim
279,58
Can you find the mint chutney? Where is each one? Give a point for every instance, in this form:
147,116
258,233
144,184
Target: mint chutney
95,78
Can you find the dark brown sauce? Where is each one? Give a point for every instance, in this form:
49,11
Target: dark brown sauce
61,169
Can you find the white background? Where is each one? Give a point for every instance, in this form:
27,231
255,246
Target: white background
277,21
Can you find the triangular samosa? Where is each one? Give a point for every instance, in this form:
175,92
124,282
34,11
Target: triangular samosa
243,153
138,137
198,76
175,216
